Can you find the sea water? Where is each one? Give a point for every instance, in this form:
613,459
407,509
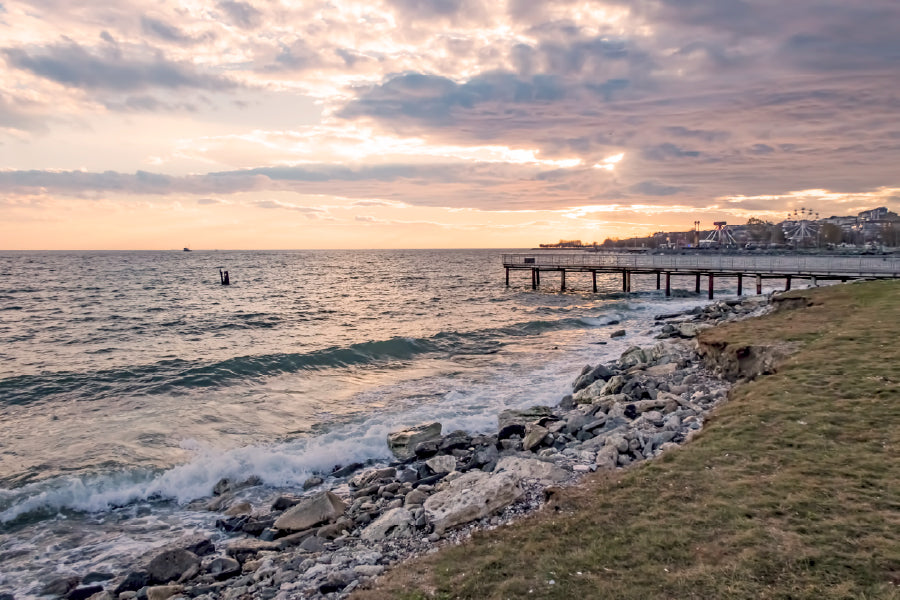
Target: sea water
131,382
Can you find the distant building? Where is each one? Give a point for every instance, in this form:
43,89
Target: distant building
876,214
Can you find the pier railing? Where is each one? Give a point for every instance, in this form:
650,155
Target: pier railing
838,266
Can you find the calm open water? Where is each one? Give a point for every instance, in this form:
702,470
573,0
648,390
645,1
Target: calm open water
131,382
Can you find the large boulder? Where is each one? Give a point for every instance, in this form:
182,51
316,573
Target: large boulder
395,523
403,443
171,565
514,422
315,510
531,468
473,496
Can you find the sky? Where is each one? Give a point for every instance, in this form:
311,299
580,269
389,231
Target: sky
157,124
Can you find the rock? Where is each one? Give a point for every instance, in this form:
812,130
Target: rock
575,422
6,596
485,455
83,593
102,595
415,498
393,524
170,565
335,530
163,592
344,471
312,511
662,370
513,422
607,457
245,548
613,386
474,495
617,333
531,468
534,437
134,581
590,376
222,486
285,502
567,402
224,568
61,586
441,464
633,356
312,543
312,482
368,477
690,330
368,570
403,443
96,577
239,509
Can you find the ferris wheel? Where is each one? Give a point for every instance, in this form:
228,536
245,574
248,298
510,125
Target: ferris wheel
801,227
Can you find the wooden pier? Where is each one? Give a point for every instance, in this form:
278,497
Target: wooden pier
787,267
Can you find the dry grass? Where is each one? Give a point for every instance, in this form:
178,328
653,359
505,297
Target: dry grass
791,491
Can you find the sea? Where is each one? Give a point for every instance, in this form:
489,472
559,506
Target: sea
132,382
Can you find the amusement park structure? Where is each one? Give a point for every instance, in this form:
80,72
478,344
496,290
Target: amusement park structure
802,229
720,236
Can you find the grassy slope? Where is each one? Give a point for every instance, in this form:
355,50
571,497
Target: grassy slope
791,491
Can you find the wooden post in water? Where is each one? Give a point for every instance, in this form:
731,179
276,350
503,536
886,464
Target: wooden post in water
594,280
668,284
533,279
629,282
711,278
562,280
507,276
624,280
814,282
758,284
740,283
657,279
538,271
787,283
697,286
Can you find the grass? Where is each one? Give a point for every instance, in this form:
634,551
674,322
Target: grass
792,490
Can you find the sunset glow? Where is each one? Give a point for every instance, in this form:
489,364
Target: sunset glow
401,123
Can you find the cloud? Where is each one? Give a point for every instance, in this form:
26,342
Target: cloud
72,65
167,32
242,14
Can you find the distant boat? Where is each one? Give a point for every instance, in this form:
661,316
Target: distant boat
186,249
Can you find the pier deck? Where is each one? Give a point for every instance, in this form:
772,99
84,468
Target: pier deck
784,267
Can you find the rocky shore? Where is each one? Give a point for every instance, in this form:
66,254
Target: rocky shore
356,521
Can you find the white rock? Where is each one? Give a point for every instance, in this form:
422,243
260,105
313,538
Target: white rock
317,509
395,523
442,464
531,468
474,495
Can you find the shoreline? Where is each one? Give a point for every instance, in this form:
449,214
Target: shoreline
648,401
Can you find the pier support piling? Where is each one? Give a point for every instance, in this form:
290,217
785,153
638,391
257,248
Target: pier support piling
594,280
787,283
624,280
562,280
814,282
668,284
657,279
758,284
697,286
534,279
740,284
507,276
711,279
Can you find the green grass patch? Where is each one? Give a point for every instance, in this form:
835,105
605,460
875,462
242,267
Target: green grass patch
791,491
